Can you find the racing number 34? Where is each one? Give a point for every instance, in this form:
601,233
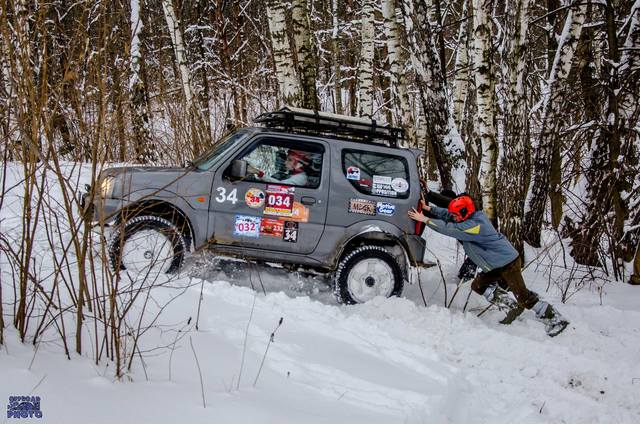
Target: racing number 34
222,196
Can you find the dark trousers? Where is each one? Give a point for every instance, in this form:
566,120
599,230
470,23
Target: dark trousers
512,275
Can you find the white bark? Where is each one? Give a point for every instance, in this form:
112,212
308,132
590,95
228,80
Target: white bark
426,62
461,79
396,64
137,92
336,65
282,55
365,68
514,159
549,118
179,50
485,99
304,49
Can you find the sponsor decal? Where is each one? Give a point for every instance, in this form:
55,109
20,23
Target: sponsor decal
279,201
299,213
353,173
274,188
247,226
254,198
290,232
24,407
271,227
362,206
380,179
385,208
400,185
382,186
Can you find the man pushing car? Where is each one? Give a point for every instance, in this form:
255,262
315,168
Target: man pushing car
495,255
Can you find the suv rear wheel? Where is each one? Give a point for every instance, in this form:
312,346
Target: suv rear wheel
367,272
148,244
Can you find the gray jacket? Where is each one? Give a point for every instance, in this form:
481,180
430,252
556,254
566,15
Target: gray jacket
486,247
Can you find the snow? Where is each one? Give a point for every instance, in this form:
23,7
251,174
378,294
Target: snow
388,361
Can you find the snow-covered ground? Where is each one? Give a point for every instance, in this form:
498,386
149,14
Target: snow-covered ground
388,361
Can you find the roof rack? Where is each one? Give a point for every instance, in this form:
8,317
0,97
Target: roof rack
321,123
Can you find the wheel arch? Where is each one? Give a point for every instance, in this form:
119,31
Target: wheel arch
392,242
161,209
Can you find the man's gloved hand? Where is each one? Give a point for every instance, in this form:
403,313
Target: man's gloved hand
467,270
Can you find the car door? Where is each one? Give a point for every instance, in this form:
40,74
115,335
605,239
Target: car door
273,208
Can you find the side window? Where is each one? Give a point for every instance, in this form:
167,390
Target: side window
376,174
274,161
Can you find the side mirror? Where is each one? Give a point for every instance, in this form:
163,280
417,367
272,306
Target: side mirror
238,169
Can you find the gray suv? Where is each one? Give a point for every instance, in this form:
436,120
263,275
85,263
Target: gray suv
311,191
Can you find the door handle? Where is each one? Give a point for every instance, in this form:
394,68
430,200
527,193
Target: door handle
306,200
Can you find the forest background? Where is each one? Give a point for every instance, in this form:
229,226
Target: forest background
536,103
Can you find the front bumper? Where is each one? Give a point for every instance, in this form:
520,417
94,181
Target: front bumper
96,209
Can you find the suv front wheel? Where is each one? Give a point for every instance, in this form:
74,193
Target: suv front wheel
147,244
367,272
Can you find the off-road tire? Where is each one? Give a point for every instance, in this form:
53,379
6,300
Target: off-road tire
341,288
180,241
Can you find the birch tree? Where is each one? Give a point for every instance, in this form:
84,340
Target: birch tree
430,81
178,48
396,65
485,130
516,132
461,67
305,52
551,104
137,91
337,84
282,55
365,67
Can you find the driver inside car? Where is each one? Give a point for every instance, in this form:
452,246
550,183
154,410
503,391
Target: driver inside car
294,173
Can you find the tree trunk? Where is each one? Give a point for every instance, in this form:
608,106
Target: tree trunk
426,62
485,129
365,68
461,79
551,104
396,65
336,58
140,114
305,52
282,55
516,129
607,177
179,50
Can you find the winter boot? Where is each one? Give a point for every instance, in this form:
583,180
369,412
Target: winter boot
554,323
467,270
499,297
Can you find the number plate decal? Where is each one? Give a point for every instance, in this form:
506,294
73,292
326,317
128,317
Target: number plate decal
247,226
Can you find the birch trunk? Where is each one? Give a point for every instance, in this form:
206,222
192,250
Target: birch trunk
551,104
282,55
430,81
306,57
179,50
336,58
461,79
485,130
516,131
137,92
396,65
365,68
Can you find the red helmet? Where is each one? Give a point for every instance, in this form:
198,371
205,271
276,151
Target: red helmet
461,207
298,157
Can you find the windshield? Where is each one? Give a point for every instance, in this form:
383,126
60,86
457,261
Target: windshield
209,158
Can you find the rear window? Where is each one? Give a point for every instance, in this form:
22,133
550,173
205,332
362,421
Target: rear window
376,174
